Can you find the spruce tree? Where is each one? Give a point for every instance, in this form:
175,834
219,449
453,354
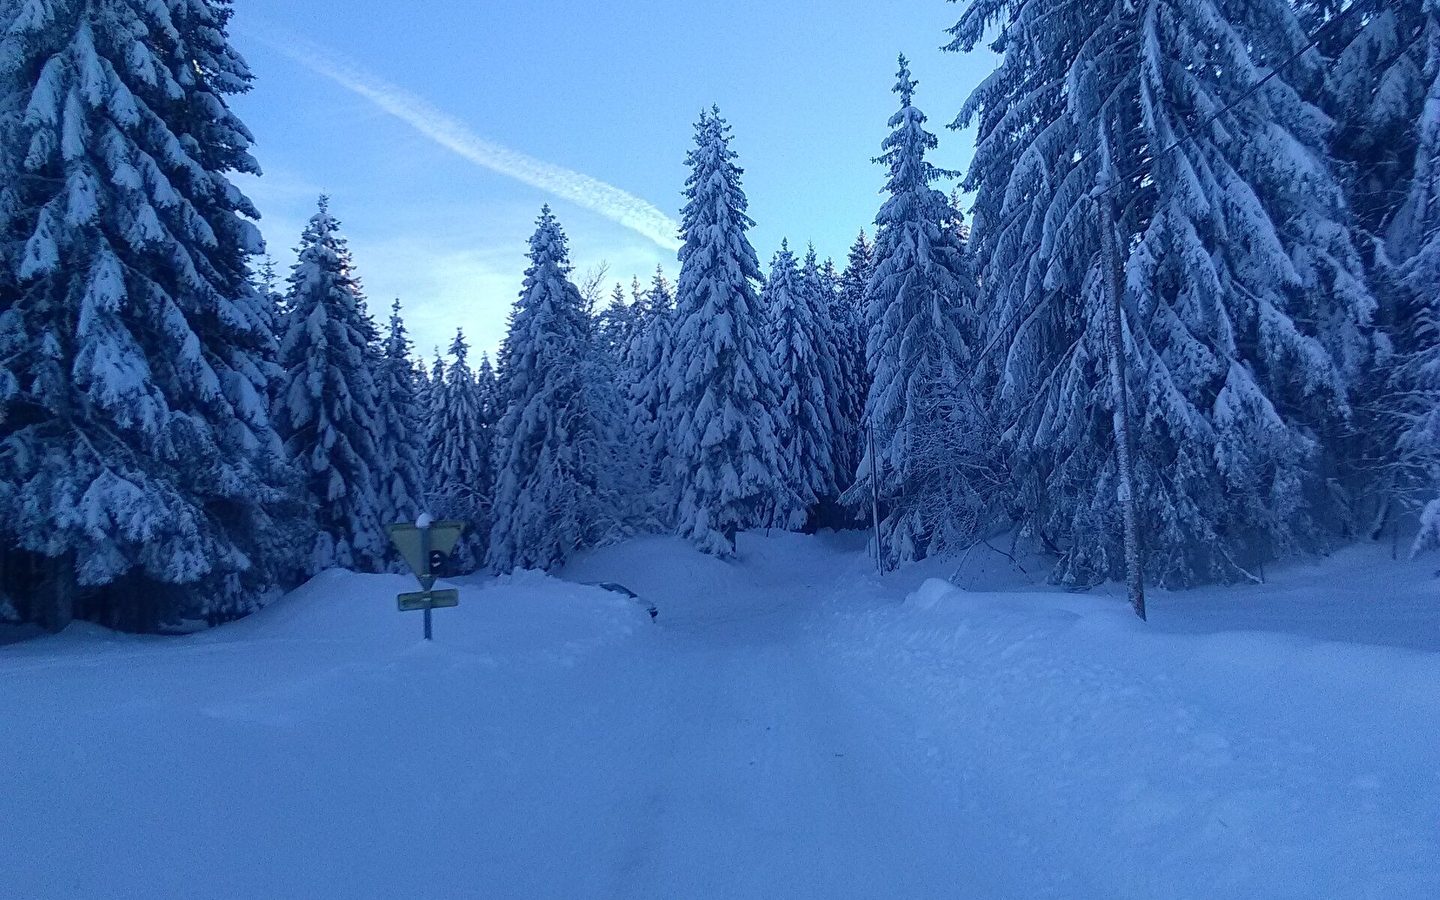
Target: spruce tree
637,301
848,311
422,406
328,408
821,289
723,444
461,486
1374,92
1413,239
1245,312
647,366
618,323
402,438
920,318
487,384
434,401
140,477
547,484
804,362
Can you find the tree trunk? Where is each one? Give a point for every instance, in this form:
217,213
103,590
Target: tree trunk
1115,347
56,603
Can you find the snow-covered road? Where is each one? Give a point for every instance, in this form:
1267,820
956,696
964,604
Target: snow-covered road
791,727
763,778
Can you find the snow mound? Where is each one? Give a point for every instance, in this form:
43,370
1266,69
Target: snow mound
1162,761
930,594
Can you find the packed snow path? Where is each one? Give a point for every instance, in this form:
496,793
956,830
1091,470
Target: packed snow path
792,727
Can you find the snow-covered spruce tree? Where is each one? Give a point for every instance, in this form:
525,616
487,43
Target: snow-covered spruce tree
830,279
722,433
487,383
140,477
267,285
637,301
618,323
821,286
804,361
639,318
422,407
847,311
647,368
612,456
433,401
328,408
1414,241
266,280
461,482
1375,89
489,386
401,477
920,317
548,491
1245,314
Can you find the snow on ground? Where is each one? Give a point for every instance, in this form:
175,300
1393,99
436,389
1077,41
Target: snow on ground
792,726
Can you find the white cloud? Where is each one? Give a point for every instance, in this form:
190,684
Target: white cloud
452,134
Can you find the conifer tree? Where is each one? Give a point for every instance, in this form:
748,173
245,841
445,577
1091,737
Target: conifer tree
723,444
648,366
460,459
618,323
402,439
139,471
1245,313
546,473
1414,242
637,301
805,367
847,311
422,405
1374,91
920,317
488,386
266,281
267,285
830,278
821,287
328,408
434,401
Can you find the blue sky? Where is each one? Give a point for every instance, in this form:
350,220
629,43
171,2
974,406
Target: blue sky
608,90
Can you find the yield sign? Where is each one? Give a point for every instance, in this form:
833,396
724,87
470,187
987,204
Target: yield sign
425,549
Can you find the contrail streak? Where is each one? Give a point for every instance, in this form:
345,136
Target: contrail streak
452,134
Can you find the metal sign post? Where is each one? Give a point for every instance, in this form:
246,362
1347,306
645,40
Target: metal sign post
425,555
425,546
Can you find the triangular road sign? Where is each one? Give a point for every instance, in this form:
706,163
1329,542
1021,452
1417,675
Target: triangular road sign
412,542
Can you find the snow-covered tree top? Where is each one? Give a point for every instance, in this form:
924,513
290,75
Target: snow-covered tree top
715,211
904,150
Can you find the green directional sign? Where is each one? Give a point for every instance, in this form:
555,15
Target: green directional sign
429,600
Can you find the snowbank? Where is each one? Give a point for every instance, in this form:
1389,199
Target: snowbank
1111,759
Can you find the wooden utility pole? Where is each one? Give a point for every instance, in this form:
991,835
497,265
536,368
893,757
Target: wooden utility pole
875,499
1114,264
